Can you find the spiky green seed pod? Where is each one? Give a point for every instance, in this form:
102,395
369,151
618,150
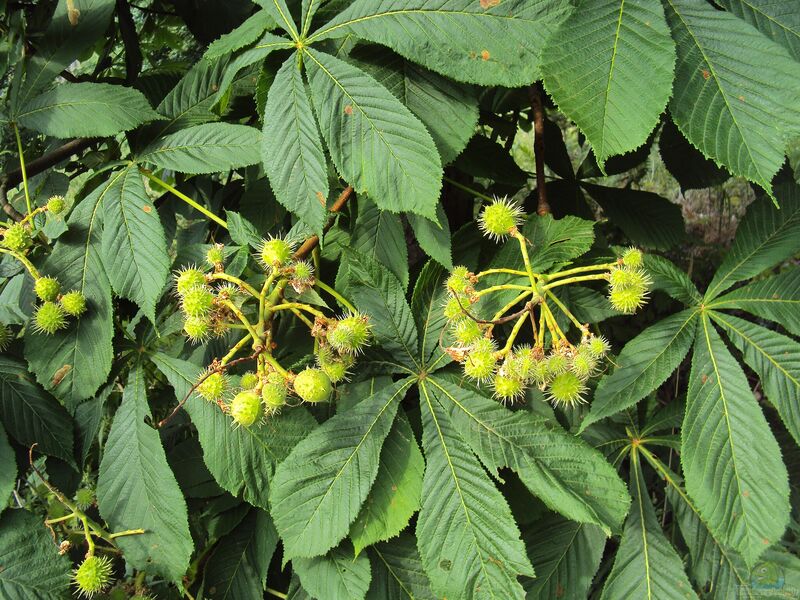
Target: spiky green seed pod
5,336
197,302
84,498
467,331
453,310
215,255
92,576
213,387
633,258
56,205
583,365
458,281
47,288
49,318
276,252
303,271
196,328
540,373
248,381
313,385
624,278
597,346
333,364
508,389
557,364
499,218
567,389
274,395
73,303
17,237
518,364
627,300
480,361
349,335
189,279
246,408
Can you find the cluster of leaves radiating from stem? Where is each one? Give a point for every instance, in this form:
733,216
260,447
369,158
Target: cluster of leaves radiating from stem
215,302
553,363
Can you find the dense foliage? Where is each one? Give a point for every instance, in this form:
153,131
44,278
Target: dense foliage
378,299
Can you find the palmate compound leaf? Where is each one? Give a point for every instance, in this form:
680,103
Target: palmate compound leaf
646,567
244,35
32,569
774,18
241,459
136,489
776,360
567,474
734,95
378,235
86,109
291,148
766,236
486,42
376,143
466,535
609,67
205,148
731,461
644,364
134,248
74,362
319,489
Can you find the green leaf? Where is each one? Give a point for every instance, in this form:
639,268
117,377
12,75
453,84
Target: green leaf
555,242
766,236
434,238
395,495
426,305
74,362
775,298
377,145
566,556
206,148
33,569
137,490
281,13
134,249
587,305
30,415
238,567
242,460
448,109
335,575
378,293
291,148
268,44
609,68
397,572
644,364
490,43
86,110
320,487
242,231
309,9
670,279
730,458
647,219
776,360
467,538
777,20
567,474
8,469
646,565
728,78
379,236
244,35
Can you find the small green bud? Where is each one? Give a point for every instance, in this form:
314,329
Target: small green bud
540,373
627,300
583,365
213,387
508,389
215,255
73,303
624,278
276,252
567,389
499,218
188,279
17,237
49,318
84,498
248,381
557,364
197,302
47,288
196,328
56,205
349,335
458,281
597,346
92,576
633,258
313,385
333,364
246,408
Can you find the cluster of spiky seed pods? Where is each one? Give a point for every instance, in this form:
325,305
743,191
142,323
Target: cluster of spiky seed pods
553,363
213,302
